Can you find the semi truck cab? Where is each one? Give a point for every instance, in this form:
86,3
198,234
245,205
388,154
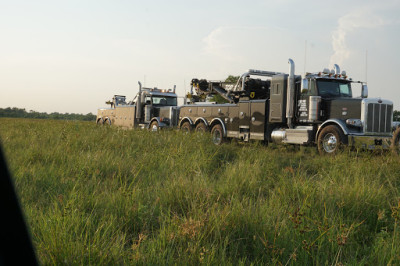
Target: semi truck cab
326,99
152,109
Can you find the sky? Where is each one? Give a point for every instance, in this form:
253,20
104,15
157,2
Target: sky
72,56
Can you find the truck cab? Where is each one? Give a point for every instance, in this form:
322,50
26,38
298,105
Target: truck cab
152,108
158,108
326,99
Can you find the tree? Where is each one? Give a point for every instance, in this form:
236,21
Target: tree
232,79
17,112
396,115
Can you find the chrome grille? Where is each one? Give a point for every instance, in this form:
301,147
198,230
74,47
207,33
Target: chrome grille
379,118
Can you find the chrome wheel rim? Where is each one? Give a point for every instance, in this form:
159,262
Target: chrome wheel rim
329,143
154,128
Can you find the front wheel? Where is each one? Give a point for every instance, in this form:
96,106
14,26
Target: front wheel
154,126
331,140
217,134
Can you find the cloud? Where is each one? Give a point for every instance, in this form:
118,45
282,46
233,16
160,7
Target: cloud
362,18
249,45
219,42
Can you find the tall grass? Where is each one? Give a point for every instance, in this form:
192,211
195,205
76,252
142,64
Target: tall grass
100,195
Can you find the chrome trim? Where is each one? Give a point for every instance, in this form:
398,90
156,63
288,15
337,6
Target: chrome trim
202,119
329,143
185,119
290,94
370,142
221,122
314,108
375,115
337,69
338,122
278,135
354,122
139,102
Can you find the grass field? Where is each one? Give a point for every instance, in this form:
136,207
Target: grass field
99,195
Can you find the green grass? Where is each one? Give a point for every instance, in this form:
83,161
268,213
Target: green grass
99,195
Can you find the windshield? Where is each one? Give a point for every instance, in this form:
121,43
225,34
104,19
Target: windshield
166,101
334,88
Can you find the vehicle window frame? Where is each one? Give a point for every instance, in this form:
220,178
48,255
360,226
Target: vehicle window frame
339,91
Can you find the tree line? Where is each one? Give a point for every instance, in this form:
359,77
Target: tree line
22,113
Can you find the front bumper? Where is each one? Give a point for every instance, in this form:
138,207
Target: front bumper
370,142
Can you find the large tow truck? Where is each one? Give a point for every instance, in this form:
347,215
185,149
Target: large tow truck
317,108
151,109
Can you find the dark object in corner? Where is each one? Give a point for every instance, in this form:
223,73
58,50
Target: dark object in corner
15,244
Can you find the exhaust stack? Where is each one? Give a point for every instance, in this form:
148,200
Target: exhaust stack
139,102
337,69
290,94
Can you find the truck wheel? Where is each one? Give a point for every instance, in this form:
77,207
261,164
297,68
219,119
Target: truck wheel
395,146
100,122
217,134
330,140
201,128
107,122
154,126
186,127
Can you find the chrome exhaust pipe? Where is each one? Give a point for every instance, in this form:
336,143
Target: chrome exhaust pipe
290,94
337,69
139,102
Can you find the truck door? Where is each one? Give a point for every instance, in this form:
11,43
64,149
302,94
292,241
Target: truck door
257,119
303,102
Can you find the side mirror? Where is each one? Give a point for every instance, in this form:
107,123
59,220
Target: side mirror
364,91
304,84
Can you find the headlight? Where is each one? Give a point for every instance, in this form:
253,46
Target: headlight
354,122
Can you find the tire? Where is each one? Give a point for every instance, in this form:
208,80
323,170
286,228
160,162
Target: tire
217,134
331,140
100,122
107,122
395,145
201,128
186,127
154,127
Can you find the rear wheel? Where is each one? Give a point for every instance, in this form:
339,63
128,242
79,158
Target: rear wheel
186,127
331,140
217,134
100,121
154,126
201,127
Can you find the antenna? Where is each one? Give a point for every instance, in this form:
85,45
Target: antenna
305,57
366,65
